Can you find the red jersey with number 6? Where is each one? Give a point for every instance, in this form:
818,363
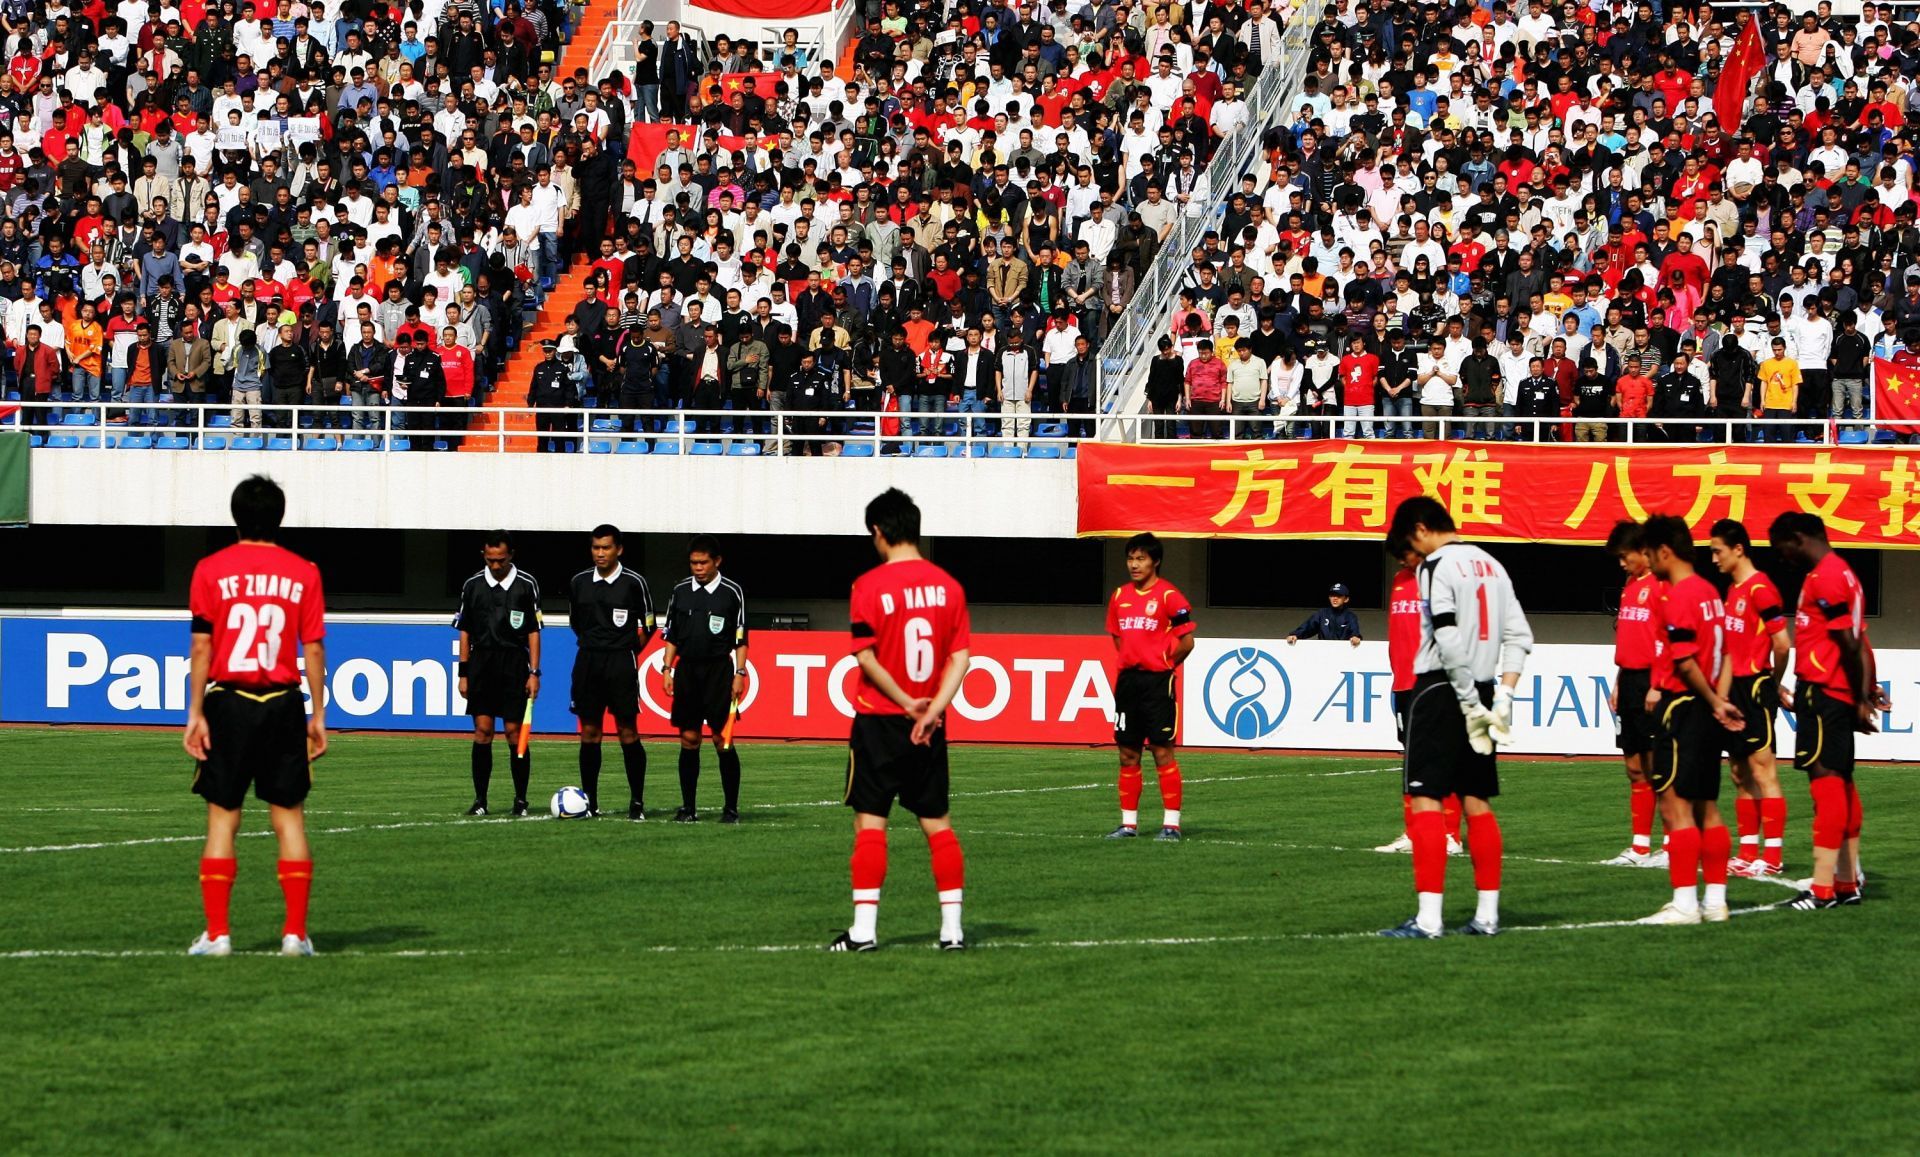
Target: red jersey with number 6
914,616
1405,613
1145,624
261,603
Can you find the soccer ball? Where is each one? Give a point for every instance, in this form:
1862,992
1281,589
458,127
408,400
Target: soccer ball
569,803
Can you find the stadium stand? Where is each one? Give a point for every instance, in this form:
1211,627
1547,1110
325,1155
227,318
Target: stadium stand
1619,222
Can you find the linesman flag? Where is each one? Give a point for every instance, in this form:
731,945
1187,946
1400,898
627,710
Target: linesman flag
1743,64
1896,395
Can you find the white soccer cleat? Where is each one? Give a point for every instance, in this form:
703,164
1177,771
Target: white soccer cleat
1656,860
1630,859
1401,845
1673,915
1714,914
291,945
1454,846
205,945
1759,870
1739,866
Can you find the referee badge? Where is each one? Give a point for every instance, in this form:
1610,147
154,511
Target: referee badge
515,618
716,623
620,617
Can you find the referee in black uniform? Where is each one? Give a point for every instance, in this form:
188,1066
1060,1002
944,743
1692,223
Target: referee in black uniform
611,613
706,671
499,625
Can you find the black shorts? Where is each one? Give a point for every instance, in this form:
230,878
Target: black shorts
497,685
1635,728
885,764
1756,700
1686,751
1402,700
605,683
257,739
702,694
1823,732
1144,710
1439,760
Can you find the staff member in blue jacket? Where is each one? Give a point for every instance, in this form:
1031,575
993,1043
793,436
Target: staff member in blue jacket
1333,621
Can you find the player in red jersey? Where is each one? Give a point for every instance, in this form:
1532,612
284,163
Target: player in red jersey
911,634
1692,720
257,610
1152,628
1633,695
1756,643
1404,615
1836,693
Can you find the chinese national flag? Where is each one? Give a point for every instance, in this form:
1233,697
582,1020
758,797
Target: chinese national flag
1896,395
1736,77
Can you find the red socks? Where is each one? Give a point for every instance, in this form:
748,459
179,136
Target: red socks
869,863
1483,842
216,890
1773,829
1747,816
1683,857
1428,832
1129,789
1830,811
1169,777
1450,815
1853,811
1641,804
296,879
949,864
1716,845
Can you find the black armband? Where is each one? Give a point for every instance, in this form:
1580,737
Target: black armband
460,668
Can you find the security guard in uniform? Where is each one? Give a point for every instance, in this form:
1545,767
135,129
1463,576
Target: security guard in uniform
611,613
426,386
706,671
552,389
499,625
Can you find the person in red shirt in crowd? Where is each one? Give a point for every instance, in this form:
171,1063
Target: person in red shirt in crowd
1358,372
1632,696
1206,387
1152,627
258,611
1756,642
1405,616
456,362
1837,692
1634,391
1687,263
911,635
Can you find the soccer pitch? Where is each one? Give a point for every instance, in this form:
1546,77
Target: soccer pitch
497,985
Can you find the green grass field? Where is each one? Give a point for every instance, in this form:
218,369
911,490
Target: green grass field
500,986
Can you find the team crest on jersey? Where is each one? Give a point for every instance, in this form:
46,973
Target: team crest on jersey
1643,594
1153,607
620,617
716,624
1740,607
515,618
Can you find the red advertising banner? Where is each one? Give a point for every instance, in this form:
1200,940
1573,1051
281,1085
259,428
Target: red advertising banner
1019,689
1500,492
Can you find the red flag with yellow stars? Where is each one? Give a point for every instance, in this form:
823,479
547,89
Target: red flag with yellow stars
1896,395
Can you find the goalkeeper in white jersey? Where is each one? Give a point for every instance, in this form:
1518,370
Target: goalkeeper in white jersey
1474,642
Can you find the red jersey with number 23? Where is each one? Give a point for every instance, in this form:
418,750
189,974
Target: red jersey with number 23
261,603
1147,622
1404,614
1830,601
914,616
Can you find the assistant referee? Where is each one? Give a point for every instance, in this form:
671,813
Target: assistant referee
706,671
499,625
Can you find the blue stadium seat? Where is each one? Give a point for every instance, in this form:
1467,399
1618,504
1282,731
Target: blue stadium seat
220,421
358,443
744,450
930,452
35,441
666,446
1072,450
707,449
1049,429
92,441
279,442
1885,437
173,442
81,418
1003,450
398,444
857,450
214,442
631,446
1043,451
247,442
599,446
137,442
673,426
606,426
322,442
1854,437
62,441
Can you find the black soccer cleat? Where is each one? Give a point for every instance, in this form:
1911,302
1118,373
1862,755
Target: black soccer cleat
953,946
1474,927
685,816
1410,930
593,813
478,809
519,807
636,813
1808,902
1123,832
1851,899
846,943
729,816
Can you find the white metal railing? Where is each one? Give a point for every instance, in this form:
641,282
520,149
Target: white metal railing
970,434
1129,345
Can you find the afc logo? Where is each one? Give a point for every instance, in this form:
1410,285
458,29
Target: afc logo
1247,693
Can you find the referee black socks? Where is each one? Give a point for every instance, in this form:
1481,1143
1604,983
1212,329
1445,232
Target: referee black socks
689,776
635,756
590,774
482,771
730,777
522,768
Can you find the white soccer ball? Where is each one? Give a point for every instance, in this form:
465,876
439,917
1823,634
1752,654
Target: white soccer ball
569,803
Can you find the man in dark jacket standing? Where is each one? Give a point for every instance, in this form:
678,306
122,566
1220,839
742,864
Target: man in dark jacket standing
289,376
426,386
1333,621
550,390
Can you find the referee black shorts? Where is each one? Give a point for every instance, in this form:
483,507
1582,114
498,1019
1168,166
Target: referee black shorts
1440,761
605,683
1686,749
885,764
497,684
1823,732
702,694
258,739
1636,727
1756,700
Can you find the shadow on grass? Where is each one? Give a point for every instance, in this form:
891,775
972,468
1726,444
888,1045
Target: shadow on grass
379,937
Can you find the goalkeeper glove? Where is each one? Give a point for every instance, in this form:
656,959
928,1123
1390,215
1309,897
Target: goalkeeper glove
1480,722
1502,729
